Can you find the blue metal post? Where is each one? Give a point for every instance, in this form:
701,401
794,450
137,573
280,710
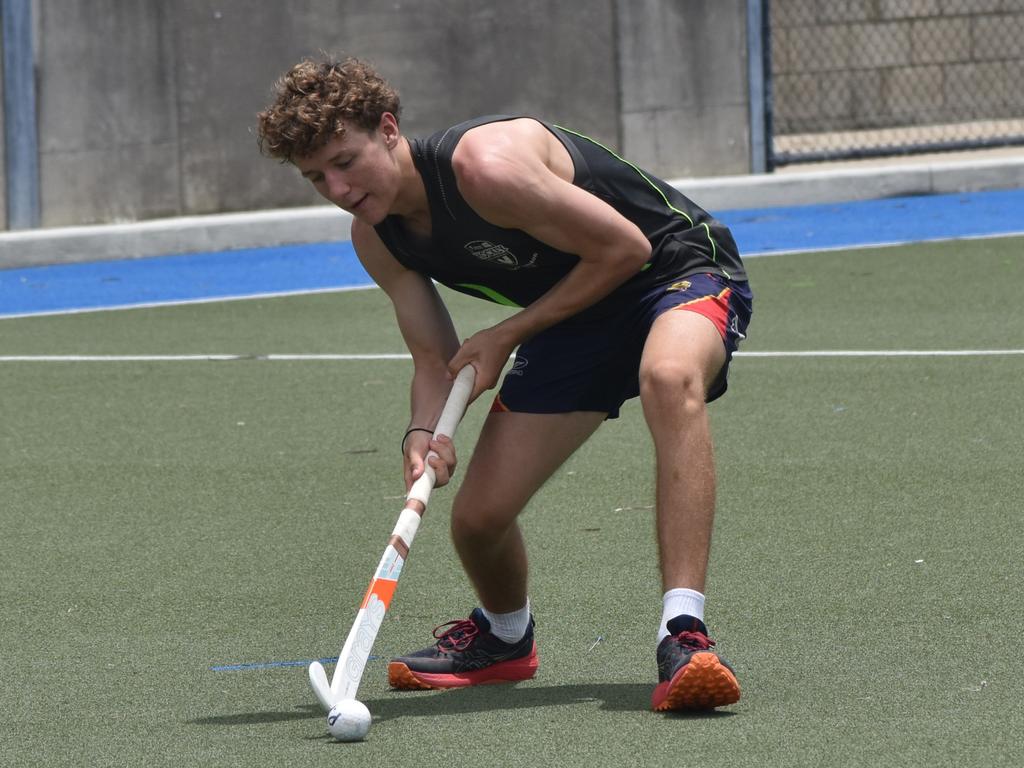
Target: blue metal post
758,78
21,139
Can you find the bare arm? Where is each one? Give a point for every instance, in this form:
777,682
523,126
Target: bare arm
429,335
517,175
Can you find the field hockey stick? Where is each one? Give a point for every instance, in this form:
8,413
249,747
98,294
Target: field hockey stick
352,660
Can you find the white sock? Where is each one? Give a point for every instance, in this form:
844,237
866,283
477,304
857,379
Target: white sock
676,602
509,627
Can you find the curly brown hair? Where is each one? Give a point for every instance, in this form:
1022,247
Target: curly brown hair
313,98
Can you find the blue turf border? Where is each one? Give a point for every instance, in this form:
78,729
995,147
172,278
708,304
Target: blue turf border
252,272
863,223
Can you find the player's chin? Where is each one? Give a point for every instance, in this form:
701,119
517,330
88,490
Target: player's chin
368,213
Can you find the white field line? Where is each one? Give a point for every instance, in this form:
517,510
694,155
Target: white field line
182,302
406,356
192,358
885,353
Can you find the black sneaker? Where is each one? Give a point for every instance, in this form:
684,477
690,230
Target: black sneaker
466,653
690,674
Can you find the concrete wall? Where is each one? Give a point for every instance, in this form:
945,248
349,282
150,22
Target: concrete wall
685,99
147,108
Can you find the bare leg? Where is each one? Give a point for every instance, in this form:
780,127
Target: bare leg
515,455
682,356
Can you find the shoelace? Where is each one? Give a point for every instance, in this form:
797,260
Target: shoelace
695,640
459,637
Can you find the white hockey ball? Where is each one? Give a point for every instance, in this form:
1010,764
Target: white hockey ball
349,720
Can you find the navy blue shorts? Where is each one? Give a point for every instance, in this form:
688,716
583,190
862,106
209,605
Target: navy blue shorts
596,366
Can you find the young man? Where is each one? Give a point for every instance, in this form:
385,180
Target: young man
625,288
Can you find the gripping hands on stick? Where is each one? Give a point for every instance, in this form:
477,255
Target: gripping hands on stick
352,660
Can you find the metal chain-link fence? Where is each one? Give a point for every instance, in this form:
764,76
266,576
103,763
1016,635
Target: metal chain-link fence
862,78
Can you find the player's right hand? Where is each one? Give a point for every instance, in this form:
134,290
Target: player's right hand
417,448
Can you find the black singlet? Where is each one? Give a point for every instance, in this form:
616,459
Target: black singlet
508,266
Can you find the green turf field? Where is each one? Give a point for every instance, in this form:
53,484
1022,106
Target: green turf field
163,519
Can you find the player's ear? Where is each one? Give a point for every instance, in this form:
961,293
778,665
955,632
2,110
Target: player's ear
388,128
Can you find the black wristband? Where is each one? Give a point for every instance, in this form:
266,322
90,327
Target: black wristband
413,429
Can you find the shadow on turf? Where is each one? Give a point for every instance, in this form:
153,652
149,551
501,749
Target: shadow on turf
619,697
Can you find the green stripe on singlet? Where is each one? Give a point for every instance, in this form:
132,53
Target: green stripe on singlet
655,187
490,293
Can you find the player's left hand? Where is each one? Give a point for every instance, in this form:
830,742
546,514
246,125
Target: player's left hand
487,351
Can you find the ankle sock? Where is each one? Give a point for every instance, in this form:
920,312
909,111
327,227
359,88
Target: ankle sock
509,627
676,602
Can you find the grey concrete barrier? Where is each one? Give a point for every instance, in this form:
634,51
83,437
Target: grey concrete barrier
325,223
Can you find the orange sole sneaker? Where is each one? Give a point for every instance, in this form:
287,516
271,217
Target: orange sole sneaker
512,671
704,682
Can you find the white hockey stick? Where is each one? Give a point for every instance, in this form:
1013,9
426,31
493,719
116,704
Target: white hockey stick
355,652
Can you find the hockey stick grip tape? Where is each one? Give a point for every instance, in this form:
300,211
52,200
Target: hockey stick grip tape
451,415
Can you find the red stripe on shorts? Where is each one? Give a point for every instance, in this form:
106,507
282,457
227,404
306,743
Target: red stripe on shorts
497,406
714,308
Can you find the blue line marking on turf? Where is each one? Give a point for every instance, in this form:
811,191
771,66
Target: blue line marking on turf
274,664
334,266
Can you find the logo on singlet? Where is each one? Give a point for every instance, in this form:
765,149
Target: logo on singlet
497,254
682,285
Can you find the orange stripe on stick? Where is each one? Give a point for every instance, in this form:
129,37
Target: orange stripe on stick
384,589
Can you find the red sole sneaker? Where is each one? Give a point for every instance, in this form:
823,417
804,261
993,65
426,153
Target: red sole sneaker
704,682
512,671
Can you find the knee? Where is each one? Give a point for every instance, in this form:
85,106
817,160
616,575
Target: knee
672,384
476,521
